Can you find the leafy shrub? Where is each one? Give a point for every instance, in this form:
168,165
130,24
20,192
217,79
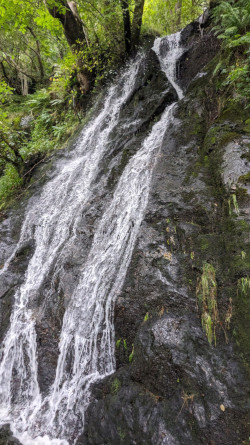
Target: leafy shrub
10,182
232,25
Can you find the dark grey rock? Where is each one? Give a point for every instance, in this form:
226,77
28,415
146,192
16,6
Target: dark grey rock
177,388
26,121
6,436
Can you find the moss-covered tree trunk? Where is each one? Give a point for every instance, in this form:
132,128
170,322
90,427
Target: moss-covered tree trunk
132,31
126,25
137,22
73,28
178,11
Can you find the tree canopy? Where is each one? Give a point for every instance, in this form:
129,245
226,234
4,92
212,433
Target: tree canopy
37,36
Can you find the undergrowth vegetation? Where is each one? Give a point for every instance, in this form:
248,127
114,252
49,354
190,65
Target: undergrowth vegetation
232,26
244,287
32,127
206,293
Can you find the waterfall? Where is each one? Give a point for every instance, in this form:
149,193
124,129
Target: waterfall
168,64
87,334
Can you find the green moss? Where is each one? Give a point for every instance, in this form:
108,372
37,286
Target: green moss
206,292
241,264
246,155
10,183
204,243
242,324
122,434
245,178
247,126
228,236
206,161
51,129
234,112
115,387
244,287
243,225
217,137
196,125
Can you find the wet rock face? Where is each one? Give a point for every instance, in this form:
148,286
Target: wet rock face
173,386
6,437
202,46
147,404
150,95
10,230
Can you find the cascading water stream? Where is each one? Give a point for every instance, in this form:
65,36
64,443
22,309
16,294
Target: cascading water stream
87,336
166,62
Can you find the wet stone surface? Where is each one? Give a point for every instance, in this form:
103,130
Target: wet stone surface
6,437
171,385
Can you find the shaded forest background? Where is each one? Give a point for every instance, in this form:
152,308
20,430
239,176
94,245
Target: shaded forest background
53,53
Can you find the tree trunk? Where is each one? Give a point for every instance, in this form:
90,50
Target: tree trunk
11,62
24,84
75,35
38,53
71,23
127,25
137,22
5,74
178,13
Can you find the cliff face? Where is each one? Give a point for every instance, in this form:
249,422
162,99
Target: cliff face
182,318
182,377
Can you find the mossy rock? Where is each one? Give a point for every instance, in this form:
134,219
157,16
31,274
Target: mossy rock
235,112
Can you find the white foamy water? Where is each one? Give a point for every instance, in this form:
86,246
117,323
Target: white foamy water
168,62
87,335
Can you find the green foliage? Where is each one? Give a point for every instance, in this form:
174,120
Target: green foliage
166,17
244,286
37,63
118,343
5,92
229,314
62,80
232,25
206,292
207,325
30,43
53,121
233,200
115,386
235,203
146,317
243,254
131,356
11,140
33,44
9,184
232,20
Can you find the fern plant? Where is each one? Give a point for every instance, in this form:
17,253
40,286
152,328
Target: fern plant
232,20
232,25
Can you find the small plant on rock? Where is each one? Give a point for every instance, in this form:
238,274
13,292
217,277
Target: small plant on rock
206,293
244,286
115,386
